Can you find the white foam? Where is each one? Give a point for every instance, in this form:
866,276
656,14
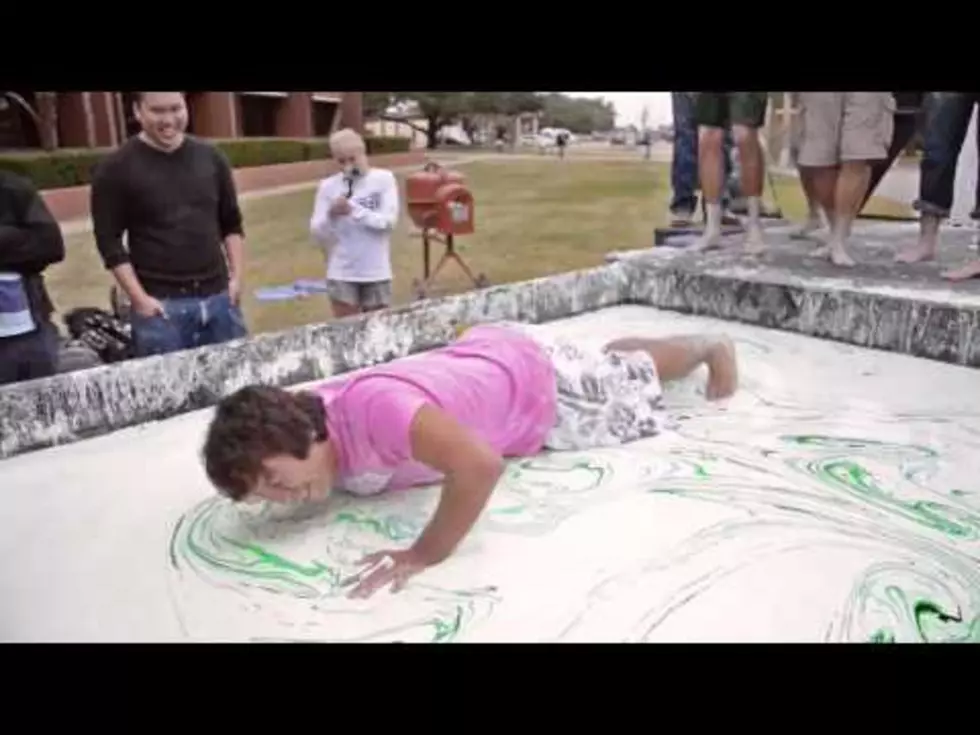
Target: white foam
727,529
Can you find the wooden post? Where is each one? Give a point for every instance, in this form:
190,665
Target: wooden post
769,127
965,182
785,160
47,113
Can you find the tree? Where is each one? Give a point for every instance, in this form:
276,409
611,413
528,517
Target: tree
376,103
44,114
517,103
438,109
490,107
47,111
581,115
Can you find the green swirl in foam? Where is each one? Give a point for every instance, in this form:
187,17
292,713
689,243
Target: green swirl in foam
888,488
536,494
307,559
914,604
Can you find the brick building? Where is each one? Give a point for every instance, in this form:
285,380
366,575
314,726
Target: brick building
105,119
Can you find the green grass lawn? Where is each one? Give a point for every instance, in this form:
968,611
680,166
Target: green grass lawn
533,218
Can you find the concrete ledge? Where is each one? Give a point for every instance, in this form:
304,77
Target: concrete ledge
74,406
72,203
949,333
871,306
878,304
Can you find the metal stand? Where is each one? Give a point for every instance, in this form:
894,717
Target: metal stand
422,287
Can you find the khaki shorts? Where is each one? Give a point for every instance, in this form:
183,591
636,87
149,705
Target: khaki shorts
845,126
366,294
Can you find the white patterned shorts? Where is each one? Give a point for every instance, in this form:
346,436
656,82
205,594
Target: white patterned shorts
604,398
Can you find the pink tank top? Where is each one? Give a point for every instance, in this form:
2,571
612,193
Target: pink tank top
495,380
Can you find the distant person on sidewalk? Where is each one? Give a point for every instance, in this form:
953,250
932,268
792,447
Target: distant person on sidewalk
173,197
501,138
354,214
842,133
744,113
946,124
684,165
646,140
561,140
30,241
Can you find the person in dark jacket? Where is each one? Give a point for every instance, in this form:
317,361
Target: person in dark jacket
30,241
173,196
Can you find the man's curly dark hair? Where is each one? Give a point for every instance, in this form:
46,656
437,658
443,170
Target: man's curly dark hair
253,424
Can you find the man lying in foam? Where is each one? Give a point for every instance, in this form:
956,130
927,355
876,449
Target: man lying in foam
449,415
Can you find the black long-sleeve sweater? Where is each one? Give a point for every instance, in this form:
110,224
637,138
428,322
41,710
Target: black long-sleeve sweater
175,208
30,239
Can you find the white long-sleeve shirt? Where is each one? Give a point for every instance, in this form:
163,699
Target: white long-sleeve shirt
360,242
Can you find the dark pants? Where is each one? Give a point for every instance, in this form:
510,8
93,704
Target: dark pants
189,323
906,124
947,117
724,109
684,177
29,356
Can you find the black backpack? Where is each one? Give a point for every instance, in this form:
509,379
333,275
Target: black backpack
107,335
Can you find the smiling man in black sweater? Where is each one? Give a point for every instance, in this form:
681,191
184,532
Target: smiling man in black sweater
174,198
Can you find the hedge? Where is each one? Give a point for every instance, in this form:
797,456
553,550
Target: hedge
73,167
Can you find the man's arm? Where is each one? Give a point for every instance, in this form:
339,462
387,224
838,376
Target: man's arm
230,219
35,241
386,216
108,225
471,468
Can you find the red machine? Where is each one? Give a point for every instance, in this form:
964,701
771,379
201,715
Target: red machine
441,206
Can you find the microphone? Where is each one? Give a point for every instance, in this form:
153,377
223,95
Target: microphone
349,176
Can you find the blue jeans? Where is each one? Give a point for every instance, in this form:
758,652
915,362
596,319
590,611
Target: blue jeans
29,356
947,118
189,323
684,178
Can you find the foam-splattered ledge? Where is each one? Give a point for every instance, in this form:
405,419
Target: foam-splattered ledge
74,406
877,305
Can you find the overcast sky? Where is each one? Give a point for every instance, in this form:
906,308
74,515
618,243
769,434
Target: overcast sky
629,105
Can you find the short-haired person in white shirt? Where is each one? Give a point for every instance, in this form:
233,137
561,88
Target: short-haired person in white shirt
354,214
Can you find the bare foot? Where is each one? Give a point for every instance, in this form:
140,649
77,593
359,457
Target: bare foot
811,230
722,370
681,218
915,254
839,256
755,242
963,273
822,252
708,241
